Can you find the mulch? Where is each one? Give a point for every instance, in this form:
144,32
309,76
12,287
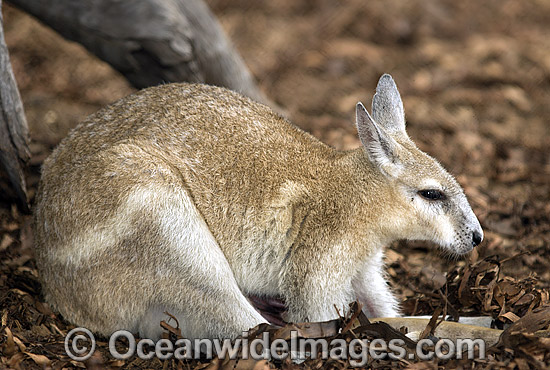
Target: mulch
475,80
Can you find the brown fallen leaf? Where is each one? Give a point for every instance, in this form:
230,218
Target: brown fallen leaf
510,316
40,360
9,347
15,361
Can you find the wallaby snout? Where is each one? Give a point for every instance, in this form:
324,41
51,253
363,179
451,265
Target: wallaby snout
188,198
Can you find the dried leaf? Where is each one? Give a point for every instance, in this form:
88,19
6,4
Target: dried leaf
510,316
9,347
40,360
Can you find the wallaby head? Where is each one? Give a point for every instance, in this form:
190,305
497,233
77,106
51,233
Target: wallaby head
430,202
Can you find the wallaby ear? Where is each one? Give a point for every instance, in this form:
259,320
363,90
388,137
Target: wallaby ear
380,147
387,107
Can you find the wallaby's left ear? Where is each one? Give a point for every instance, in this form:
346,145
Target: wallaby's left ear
387,107
380,147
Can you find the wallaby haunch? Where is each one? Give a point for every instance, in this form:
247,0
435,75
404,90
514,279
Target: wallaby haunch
188,198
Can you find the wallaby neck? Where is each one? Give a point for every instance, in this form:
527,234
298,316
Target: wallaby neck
367,191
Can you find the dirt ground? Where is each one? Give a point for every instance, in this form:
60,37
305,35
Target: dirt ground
475,81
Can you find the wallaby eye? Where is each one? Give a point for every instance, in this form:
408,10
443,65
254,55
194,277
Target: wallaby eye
432,194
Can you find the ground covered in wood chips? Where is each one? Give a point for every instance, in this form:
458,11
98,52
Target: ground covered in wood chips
475,80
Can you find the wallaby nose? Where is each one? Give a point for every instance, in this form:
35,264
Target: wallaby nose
476,238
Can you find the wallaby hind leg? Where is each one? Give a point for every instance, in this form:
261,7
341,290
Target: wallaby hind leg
196,283
149,252
166,260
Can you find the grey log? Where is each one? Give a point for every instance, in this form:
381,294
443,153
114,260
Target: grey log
151,41
14,149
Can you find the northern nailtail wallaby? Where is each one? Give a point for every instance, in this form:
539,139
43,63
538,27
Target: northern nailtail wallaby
187,199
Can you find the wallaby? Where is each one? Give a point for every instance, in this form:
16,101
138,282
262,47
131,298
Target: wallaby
187,198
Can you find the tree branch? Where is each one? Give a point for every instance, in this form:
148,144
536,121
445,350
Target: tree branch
14,150
151,41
